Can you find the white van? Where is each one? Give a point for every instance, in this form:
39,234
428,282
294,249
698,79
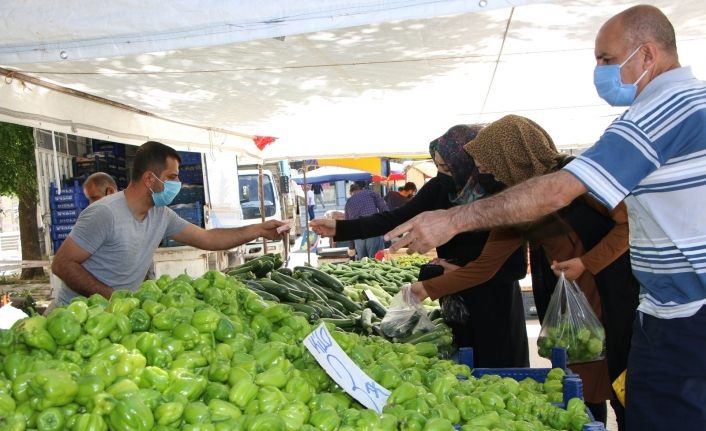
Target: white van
250,205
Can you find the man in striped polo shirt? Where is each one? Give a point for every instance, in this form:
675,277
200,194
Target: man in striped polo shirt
654,157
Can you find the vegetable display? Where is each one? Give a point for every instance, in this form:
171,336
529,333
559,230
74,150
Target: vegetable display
210,354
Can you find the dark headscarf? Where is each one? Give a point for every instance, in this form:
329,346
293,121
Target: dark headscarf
514,149
463,169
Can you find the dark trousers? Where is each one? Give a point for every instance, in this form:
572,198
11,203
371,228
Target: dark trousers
666,380
312,215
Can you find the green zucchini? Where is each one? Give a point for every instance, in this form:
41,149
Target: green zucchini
322,278
311,313
345,301
274,288
340,323
366,320
377,308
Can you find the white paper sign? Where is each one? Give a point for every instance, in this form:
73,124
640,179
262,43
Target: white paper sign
344,371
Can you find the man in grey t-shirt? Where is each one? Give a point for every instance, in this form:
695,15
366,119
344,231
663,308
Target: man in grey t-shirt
113,241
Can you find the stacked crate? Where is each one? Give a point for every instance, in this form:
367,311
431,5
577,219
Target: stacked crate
188,204
108,157
65,205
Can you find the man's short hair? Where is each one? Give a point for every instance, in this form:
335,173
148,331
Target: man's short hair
410,186
355,188
152,156
101,180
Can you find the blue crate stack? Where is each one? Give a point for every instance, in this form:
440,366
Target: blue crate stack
188,204
65,208
108,157
573,387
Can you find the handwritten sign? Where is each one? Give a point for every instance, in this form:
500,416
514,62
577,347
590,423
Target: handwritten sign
344,371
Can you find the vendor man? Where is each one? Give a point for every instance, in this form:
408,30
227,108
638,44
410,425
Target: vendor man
99,185
112,243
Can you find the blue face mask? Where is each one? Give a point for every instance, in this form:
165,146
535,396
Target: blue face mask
166,196
610,85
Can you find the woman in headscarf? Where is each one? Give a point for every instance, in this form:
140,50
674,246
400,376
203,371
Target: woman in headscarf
584,240
495,324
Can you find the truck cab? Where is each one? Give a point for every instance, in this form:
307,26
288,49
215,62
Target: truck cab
248,190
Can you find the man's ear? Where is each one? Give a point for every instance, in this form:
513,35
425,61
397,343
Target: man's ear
110,190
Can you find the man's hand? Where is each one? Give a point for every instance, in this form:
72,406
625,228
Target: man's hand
423,232
324,227
269,229
572,268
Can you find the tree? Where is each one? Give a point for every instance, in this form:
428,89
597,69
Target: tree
18,177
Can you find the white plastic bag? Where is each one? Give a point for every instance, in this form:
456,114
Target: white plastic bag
570,323
405,315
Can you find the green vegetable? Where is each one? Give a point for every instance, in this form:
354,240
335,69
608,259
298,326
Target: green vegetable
63,326
205,320
52,388
223,410
168,413
140,320
32,331
130,414
101,325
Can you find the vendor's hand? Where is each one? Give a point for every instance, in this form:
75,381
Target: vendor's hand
447,266
572,268
422,233
268,229
324,227
351,252
417,289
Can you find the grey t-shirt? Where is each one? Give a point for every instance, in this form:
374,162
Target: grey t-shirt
121,246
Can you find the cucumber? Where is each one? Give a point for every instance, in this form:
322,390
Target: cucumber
377,308
285,271
435,313
266,295
311,313
274,288
321,309
345,301
366,320
298,284
340,323
322,278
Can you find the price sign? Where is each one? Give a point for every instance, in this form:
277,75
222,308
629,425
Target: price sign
339,366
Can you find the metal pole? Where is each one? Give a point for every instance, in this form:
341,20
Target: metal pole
261,193
306,217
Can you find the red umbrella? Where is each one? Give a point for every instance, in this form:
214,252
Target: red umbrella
396,176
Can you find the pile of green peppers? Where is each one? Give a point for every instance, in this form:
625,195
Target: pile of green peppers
209,354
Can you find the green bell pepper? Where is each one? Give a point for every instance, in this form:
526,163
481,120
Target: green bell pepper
32,331
122,305
88,387
173,346
86,345
153,307
130,414
223,410
154,377
151,397
216,391
123,327
168,413
270,399
7,404
187,334
51,419
266,422
102,368
242,392
69,356
122,388
272,376
15,364
402,393
219,370
213,296
146,341
159,357
140,320
186,383
101,325
130,364
205,320
325,419
189,360
52,388
196,413
295,415
88,422
63,326
79,309
165,320
97,299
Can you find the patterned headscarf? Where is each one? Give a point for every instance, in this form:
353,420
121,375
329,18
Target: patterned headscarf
463,170
514,149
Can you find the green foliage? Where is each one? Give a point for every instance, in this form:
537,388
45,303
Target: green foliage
17,165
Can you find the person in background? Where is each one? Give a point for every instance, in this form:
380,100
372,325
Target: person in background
590,242
319,194
310,202
395,199
652,157
113,241
99,185
361,203
494,325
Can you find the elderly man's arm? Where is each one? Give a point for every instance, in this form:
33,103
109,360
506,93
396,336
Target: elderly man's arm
523,203
67,266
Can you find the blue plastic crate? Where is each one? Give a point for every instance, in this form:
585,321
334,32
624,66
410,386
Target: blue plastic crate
56,244
189,194
114,148
573,387
65,216
189,158
191,174
61,233
190,212
68,201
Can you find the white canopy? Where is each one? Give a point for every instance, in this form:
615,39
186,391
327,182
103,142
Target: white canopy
334,78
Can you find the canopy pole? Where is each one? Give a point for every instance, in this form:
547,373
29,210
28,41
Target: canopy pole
306,218
261,193
56,163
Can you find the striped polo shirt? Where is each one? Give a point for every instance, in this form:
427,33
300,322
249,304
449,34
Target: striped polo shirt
654,157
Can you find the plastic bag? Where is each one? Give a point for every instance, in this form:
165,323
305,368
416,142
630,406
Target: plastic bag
570,323
405,315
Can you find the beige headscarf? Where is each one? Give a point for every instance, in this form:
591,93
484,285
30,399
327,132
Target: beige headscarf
514,149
